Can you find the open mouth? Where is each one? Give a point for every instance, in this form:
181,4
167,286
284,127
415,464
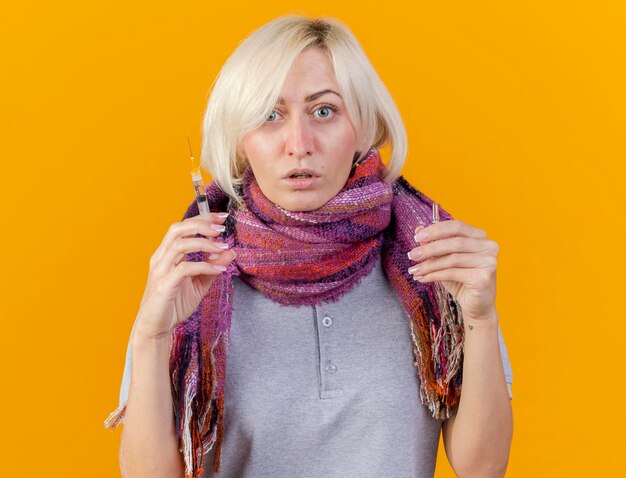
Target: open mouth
302,181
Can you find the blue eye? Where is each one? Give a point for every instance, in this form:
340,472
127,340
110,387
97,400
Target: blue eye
325,111
272,116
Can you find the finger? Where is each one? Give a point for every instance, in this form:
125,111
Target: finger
192,269
454,260
443,229
224,259
186,245
190,227
470,277
462,276
451,245
214,218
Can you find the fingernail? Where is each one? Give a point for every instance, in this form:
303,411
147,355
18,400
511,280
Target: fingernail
214,256
223,215
218,227
414,269
222,245
219,268
414,254
421,236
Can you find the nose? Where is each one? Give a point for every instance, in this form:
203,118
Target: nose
299,141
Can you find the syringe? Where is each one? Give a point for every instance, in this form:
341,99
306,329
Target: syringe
435,212
198,185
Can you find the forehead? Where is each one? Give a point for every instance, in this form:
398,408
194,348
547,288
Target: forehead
312,72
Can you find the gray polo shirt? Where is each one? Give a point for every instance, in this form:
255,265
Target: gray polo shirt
329,390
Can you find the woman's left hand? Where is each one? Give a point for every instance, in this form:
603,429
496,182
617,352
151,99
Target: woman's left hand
462,258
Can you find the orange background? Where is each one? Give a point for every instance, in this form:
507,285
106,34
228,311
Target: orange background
516,121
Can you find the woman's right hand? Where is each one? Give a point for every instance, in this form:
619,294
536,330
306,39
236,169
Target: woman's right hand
176,286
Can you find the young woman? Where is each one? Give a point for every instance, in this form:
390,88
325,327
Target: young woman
356,330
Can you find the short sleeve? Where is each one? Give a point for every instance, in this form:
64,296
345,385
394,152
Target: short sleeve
128,366
126,377
508,372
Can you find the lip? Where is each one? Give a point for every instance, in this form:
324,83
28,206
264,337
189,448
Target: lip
301,183
301,171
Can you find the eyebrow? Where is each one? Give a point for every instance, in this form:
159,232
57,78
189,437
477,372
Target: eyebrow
313,96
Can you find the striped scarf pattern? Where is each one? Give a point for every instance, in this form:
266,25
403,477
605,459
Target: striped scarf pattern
306,258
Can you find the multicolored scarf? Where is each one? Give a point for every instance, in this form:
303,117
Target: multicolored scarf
306,258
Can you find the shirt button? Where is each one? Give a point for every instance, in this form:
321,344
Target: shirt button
327,321
330,367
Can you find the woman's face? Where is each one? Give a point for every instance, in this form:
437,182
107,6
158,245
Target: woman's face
308,134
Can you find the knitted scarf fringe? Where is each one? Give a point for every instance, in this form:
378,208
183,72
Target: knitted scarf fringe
436,391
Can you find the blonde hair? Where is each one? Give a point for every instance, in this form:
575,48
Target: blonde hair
248,87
